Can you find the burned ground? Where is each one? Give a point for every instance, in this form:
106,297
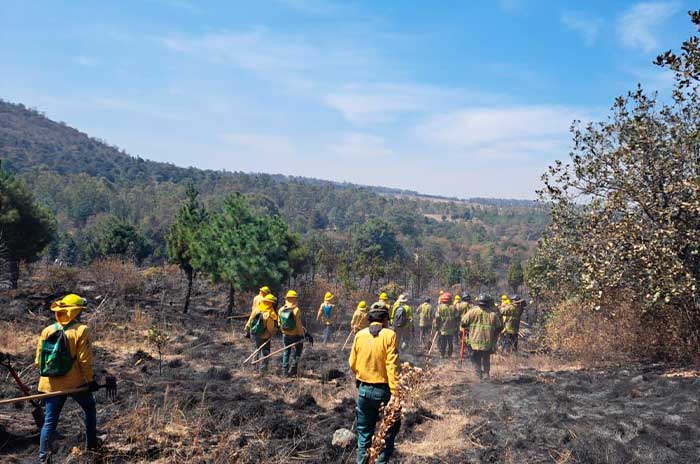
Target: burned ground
209,407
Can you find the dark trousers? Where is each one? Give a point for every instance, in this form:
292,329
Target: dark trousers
425,336
403,336
445,343
482,363
262,366
53,412
290,357
327,334
369,399
510,342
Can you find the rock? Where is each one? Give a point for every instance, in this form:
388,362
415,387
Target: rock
637,379
343,438
625,373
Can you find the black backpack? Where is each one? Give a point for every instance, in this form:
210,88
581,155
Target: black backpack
400,316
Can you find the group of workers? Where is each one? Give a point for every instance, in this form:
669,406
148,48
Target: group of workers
64,355
381,331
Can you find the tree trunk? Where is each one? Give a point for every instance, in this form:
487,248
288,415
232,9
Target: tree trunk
13,272
190,279
231,297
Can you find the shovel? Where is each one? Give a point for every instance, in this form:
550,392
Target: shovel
37,412
110,387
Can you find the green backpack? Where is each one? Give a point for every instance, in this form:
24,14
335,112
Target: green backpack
257,325
287,321
55,359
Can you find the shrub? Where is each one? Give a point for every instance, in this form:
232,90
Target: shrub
118,277
590,337
61,279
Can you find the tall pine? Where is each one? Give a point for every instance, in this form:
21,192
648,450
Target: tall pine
183,235
26,228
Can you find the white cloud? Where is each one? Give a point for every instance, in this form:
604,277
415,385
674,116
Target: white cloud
511,132
639,25
291,60
254,144
586,25
356,145
86,61
372,104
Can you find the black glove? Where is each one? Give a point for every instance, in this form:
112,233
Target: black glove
309,338
93,386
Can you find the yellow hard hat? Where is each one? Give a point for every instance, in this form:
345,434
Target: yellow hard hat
265,290
504,297
383,296
70,300
328,296
362,305
292,294
457,298
270,298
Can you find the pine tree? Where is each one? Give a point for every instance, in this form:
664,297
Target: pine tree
515,276
26,228
242,249
182,236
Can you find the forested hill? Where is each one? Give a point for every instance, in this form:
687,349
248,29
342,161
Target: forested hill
29,139
93,187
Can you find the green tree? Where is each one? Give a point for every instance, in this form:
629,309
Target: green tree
118,238
374,245
182,236
26,228
242,249
516,276
626,211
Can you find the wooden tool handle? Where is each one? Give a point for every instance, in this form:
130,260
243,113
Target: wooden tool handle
42,396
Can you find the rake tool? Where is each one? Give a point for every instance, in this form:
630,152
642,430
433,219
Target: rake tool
347,340
37,412
110,387
278,351
256,351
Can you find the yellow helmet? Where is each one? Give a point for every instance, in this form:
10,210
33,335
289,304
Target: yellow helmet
292,294
265,290
457,298
270,298
328,296
504,297
383,296
70,300
362,305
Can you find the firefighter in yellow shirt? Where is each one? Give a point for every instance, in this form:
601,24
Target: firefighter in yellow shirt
374,359
57,375
359,318
293,331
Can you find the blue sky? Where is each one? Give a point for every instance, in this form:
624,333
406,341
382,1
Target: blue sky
458,98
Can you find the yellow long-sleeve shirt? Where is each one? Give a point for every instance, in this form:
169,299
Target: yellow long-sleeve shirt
78,336
375,359
256,301
359,320
298,326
